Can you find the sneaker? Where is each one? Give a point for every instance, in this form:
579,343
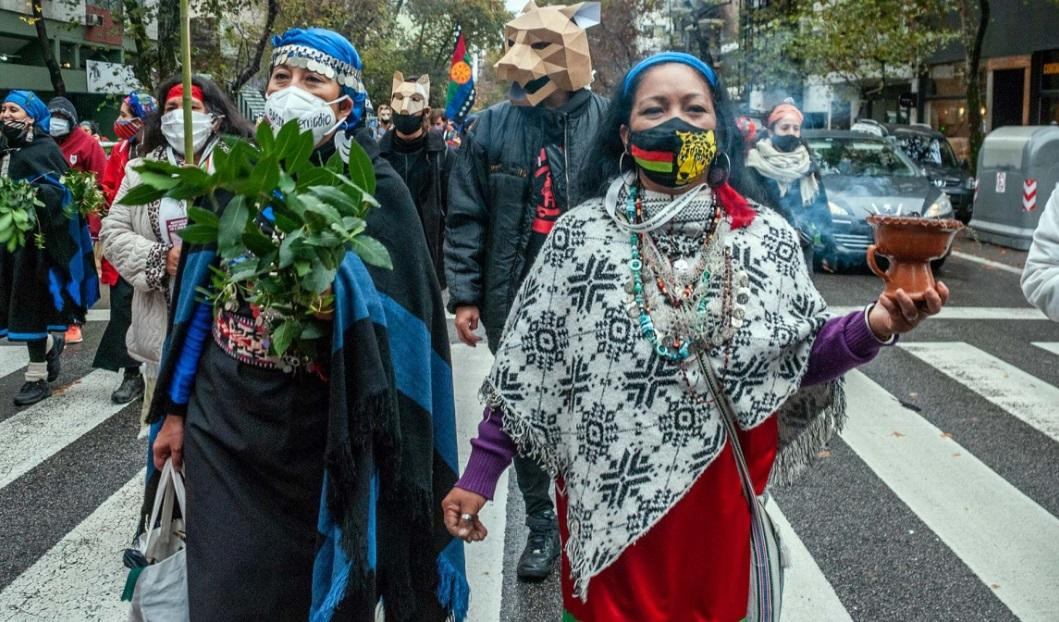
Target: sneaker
542,548
130,389
73,334
32,392
54,357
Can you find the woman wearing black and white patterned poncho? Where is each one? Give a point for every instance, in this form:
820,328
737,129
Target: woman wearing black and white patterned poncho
596,377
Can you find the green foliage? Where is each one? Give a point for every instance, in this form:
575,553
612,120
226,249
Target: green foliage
18,213
87,197
284,231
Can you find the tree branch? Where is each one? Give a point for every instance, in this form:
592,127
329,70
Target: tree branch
253,65
54,71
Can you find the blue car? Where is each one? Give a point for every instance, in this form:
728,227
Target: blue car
865,174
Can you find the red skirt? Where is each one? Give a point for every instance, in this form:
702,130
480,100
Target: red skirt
694,564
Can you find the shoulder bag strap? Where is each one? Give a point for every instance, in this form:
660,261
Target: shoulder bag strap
724,403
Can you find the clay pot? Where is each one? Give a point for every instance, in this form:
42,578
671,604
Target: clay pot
910,244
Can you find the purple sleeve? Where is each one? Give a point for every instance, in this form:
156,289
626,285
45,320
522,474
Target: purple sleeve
843,343
491,453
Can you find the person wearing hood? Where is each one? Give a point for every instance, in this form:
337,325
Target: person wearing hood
318,483
420,156
82,153
50,282
113,352
516,172
784,171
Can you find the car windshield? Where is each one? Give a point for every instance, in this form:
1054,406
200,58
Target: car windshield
928,149
860,157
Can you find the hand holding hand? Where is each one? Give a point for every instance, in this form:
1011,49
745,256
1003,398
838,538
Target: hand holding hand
897,313
461,509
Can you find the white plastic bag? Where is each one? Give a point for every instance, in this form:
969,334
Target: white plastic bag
161,588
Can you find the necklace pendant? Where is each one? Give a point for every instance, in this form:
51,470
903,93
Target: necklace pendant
680,265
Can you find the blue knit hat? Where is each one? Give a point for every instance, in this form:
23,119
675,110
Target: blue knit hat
141,104
327,53
34,107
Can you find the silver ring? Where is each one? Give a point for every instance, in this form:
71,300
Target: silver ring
467,518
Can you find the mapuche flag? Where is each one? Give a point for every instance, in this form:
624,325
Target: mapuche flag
461,93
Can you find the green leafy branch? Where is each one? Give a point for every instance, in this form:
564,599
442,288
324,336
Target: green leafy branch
18,213
83,187
283,231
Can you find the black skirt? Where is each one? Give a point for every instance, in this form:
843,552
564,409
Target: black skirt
27,307
112,353
254,458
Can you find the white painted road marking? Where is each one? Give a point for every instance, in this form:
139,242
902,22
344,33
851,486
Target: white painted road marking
1006,539
987,262
968,313
807,594
1022,395
81,577
1050,346
36,433
12,359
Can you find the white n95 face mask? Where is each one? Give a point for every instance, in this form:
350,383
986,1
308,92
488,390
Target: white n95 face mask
59,127
173,129
312,112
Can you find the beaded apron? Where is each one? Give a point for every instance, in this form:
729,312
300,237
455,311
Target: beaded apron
593,400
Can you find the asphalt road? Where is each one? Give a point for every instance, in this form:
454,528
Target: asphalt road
939,502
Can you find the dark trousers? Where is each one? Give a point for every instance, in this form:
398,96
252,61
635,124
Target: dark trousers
535,486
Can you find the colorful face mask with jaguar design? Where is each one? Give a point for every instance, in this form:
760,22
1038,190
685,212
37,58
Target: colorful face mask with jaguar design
674,153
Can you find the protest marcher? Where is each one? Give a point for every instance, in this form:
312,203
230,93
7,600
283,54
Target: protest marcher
92,129
330,528
515,174
113,353
1040,276
383,121
49,282
602,374
140,240
82,153
422,159
790,181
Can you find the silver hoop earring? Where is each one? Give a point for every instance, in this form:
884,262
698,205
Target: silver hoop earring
718,175
621,162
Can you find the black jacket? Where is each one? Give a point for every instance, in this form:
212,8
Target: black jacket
425,170
491,213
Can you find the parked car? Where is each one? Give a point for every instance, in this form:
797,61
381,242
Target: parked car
930,149
866,174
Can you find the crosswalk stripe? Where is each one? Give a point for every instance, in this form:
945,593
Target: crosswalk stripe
969,313
1022,395
1050,346
807,594
987,262
1006,539
33,435
81,577
12,359
485,560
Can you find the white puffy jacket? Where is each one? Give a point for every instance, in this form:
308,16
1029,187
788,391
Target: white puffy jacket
132,242
1040,277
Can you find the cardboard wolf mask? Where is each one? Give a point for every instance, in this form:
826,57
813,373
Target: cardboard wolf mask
546,50
408,97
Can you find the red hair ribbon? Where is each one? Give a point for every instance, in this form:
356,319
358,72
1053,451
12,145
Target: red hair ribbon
178,91
738,209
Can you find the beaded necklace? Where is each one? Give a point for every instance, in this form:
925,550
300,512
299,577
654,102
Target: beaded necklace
690,328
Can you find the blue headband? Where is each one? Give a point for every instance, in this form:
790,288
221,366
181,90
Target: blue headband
34,107
669,57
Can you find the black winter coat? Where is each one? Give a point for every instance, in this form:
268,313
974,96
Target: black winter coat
491,212
425,170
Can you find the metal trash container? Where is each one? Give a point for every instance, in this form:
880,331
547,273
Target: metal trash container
1017,168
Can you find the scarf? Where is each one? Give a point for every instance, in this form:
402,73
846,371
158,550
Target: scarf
587,397
785,168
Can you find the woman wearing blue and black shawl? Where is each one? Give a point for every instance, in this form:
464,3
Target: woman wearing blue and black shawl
42,289
318,490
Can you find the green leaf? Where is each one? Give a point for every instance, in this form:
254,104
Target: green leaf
371,251
319,279
302,268
198,234
158,180
361,170
203,216
337,198
287,248
141,195
316,206
286,219
266,138
258,243
232,222
313,330
284,335
265,175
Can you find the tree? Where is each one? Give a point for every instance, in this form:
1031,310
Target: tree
868,43
615,42
974,19
52,63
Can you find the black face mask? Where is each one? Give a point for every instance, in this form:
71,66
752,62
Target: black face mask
787,143
15,132
408,123
674,153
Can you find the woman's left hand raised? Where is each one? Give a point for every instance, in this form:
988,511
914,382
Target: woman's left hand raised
897,313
